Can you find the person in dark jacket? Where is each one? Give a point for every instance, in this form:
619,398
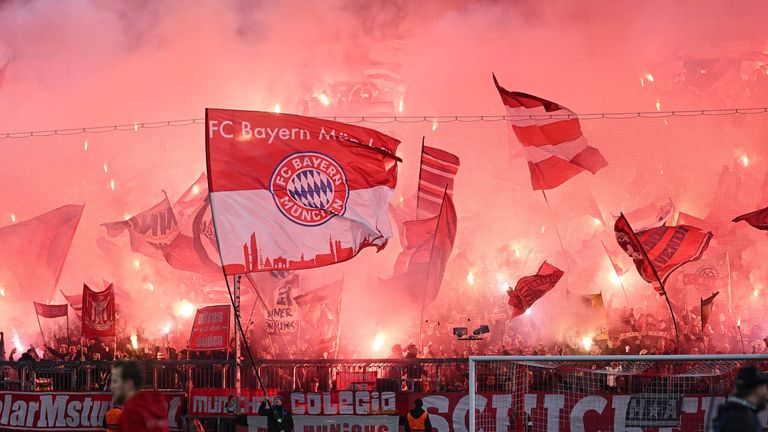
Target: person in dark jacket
417,419
278,418
739,412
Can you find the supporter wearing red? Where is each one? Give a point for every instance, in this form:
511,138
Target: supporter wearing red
142,411
739,412
278,418
417,419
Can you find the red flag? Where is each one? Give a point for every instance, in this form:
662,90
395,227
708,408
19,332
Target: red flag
427,245
663,249
319,311
75,301
551,138
150,230
98,319
50,310
210,330
758,219
33,252
196,252
706,308
531,288
189,203
438,168
291,192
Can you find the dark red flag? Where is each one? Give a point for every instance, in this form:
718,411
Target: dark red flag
196,252
33,252
551,138
438,168
758,219
98,319
531,288
50,310
319,311
663,249
706,308
150,230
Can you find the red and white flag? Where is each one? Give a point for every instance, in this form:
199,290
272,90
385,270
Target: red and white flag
75,302
438,168
291,192
531,288
551,138
149,231
50,310
185,208
98,314
33,252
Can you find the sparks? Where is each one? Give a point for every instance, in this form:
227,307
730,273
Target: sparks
642,82
134,341
517,252
126,216
738,322
85,145
17,342
324,99
167,328
597,221
586,342
542,229
756,292
112,184
195,189
2,291
658,105
276,109
378,342
150,286
400,108
135,127
614,278
106,169
184,308
745,160
402,199
470,278
13,218
137,263
434,125
649,77
527,311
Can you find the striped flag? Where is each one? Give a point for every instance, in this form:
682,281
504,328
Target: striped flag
438,168
551,137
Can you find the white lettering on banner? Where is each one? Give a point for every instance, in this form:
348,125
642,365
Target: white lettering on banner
247,131
441,404
306,423
344,403
553,404
64,411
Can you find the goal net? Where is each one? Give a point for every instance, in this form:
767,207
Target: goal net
600,393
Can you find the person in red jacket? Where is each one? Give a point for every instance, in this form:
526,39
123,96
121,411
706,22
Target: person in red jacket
142,411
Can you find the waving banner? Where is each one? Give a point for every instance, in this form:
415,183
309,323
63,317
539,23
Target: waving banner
50,310
291,192
98,311
210,330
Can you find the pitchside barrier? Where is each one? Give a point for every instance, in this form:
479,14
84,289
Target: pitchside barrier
601,393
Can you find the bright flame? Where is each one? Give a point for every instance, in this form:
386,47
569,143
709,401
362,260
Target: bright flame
137,263
745,160
134,341
105,167
195,189
400,108
434,125
276,109
126,216
542,229
85,145
13,218
658,105
649,77
402,199
2,291
324,99
527,311
738,322
470,278
135,127
378,342
642,82
517,252
586,342
167,328
150,286
184,308
112,184
614,278
17,342
756,292
597,221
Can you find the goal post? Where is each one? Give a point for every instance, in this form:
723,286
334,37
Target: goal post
632,393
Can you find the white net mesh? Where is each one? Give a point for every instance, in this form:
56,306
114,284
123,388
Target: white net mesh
599,395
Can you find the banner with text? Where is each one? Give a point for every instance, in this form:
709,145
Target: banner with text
64,411
210,331
304,423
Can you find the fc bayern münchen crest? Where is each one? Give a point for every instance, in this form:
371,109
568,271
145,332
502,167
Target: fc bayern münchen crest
309,188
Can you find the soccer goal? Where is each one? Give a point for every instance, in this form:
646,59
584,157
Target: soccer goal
600,393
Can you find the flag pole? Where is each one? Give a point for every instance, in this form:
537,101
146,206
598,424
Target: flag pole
728,266
40,327
69,342
618,276
236,288
656,275
557,230
431,250
421,167
338,325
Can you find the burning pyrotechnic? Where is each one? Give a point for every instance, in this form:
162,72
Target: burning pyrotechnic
597,221
13,218
106,169
134,341
528,311
135,127
150,286
112,184
183,308
649,77
738,322
2,291
137,263
276,109
745,160
167,328
378,342
400,107
470,278
586,342
85,145
324,99
614,278
17,342
756,292
434,125
195,189
658,105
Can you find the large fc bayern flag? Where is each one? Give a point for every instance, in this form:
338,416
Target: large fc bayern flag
292,192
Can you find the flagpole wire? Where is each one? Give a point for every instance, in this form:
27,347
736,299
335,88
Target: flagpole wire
557,230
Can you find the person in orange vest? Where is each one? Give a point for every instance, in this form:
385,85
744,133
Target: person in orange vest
417,419
112,418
